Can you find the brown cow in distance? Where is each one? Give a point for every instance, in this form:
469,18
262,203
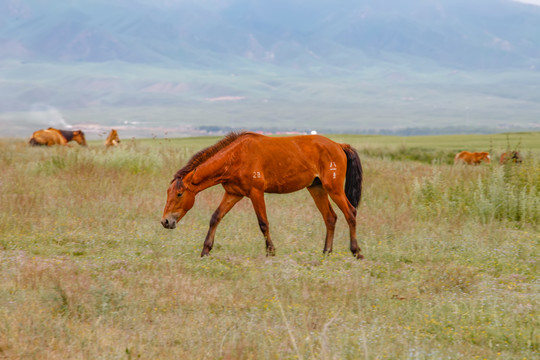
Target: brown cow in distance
472,158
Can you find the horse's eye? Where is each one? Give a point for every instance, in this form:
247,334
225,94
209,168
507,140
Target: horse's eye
179,194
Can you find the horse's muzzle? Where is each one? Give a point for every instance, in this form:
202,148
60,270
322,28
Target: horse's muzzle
168,223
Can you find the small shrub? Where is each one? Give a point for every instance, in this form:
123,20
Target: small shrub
53,164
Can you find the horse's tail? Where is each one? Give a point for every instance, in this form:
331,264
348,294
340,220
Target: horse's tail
457,158
33,142
353,177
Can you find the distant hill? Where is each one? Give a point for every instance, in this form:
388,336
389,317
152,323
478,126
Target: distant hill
456,33
336,65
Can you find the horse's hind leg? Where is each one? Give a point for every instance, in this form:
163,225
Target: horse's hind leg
227,203
323,204
339,197
257,199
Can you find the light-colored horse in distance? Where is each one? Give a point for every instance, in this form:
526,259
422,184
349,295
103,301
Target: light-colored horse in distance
112,139
472,158
52,136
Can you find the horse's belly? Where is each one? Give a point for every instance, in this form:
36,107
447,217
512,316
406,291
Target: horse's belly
282,189
288,185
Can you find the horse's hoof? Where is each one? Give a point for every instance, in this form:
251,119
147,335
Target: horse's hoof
360,256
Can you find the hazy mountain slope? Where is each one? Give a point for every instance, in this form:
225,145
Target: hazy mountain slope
467,34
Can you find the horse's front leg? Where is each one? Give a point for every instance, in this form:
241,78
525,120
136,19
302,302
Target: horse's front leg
227,203
257,199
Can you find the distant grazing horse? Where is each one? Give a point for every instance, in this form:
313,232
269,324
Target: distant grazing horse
472,158
112,139
53,136
511,157
249,164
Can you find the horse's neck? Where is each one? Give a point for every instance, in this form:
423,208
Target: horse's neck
68,135
211,172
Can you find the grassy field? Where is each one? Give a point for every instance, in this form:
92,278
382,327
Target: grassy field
451,268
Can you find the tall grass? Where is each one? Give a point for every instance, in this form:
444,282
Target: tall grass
405,153
500,193
88,272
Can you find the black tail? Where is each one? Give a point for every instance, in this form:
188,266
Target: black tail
33,142
353,179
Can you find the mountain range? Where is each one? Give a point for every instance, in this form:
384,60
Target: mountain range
318,63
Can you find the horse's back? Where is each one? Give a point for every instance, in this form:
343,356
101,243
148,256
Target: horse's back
472,157
47,137
303,148
287,164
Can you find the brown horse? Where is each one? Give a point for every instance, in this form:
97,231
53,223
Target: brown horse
249,164
53,136
511,157
472,158
112,139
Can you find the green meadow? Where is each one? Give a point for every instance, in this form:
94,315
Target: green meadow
450,270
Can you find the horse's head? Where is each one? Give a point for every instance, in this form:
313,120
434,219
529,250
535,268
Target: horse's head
484,156
180,199
78,136
516,157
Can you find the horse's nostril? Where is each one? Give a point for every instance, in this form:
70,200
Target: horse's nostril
165,223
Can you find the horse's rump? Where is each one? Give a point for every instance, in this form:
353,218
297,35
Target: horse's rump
47,137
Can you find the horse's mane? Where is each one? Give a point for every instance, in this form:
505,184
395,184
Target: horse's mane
207,153
68,135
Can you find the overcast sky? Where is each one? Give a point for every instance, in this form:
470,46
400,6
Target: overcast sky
534,2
